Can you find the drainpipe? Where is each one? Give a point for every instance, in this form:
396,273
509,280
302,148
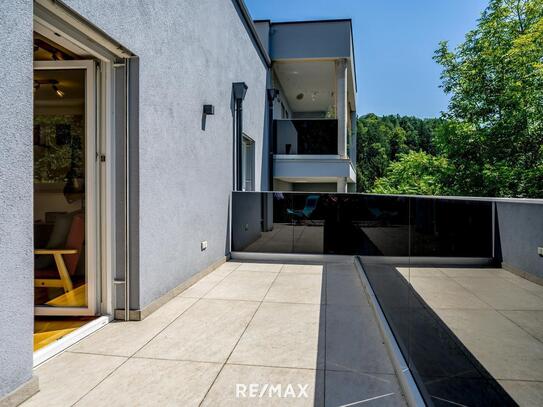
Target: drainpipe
127,194
272,94
239,89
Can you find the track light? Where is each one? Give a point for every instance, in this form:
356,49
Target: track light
58,91
52,82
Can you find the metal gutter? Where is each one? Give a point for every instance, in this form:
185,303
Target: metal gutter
252,31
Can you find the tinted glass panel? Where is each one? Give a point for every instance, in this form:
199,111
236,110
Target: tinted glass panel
451,228
316,136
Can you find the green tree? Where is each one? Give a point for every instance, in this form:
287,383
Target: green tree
381,139
493,131
416,173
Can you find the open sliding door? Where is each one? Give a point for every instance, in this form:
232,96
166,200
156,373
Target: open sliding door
66,201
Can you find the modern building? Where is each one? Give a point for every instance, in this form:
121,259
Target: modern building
181,169
125,127
314,109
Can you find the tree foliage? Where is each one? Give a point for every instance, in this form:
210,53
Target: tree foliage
381,140
490,141
493,132
416,173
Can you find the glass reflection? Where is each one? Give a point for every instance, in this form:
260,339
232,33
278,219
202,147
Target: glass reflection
59,188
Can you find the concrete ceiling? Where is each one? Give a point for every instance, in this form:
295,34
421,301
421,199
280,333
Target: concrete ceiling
309,86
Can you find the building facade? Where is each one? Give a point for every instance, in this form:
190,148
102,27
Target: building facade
125,127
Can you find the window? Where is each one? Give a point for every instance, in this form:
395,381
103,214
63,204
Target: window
248,164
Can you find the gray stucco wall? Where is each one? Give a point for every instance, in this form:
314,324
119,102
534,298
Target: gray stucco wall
16,214
330,39
520,234
189,53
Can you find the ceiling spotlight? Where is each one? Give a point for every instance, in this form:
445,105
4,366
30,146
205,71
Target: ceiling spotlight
58,91
300,96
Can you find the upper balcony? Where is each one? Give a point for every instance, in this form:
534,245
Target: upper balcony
314,74
306,151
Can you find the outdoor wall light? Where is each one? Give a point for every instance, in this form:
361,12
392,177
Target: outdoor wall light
209,109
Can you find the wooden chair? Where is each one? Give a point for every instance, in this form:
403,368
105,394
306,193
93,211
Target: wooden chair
66,259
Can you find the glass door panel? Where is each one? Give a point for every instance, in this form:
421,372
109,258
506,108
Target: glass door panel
64,188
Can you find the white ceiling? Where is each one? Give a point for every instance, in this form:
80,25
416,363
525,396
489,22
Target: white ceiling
315,80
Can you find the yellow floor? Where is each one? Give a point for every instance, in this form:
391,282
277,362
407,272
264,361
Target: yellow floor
49,329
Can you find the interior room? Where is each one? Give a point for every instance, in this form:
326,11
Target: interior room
60,149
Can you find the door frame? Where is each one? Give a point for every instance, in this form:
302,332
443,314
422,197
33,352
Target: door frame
92,188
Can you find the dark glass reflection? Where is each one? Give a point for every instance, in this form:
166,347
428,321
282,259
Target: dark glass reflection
315,136
445,370
451,228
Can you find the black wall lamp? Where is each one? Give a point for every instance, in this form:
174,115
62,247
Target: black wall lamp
209,110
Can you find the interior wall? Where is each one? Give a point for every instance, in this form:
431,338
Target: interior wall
16,244
189,53
520,228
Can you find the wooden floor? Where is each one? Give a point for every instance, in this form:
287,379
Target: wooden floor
50,329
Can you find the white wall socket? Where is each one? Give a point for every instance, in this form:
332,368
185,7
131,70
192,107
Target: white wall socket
203,245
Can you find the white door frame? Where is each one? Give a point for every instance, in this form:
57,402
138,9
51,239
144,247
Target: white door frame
92,190
53,17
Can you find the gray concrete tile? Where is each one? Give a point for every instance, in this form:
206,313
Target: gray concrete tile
207,283
297,288
283,335
528,285
229,390
445,292
409,272
303,269
350,388
530,321
207,332
272,267
243,285
501,294
473,272
502,347
69,376
343,287
124,338
148,382
526,394
354,342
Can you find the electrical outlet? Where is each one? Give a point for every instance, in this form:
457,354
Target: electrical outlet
540,251
203,245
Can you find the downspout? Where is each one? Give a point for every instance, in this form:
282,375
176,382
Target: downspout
272,94
239,90
127,194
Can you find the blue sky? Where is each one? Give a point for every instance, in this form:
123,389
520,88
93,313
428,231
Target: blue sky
394,44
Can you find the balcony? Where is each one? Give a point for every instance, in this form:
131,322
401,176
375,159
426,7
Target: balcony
457,282
306,151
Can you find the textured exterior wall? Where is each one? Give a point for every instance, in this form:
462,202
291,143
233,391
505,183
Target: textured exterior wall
521,233
16,215
189,53
331,39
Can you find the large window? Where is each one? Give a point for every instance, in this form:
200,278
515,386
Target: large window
248,164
